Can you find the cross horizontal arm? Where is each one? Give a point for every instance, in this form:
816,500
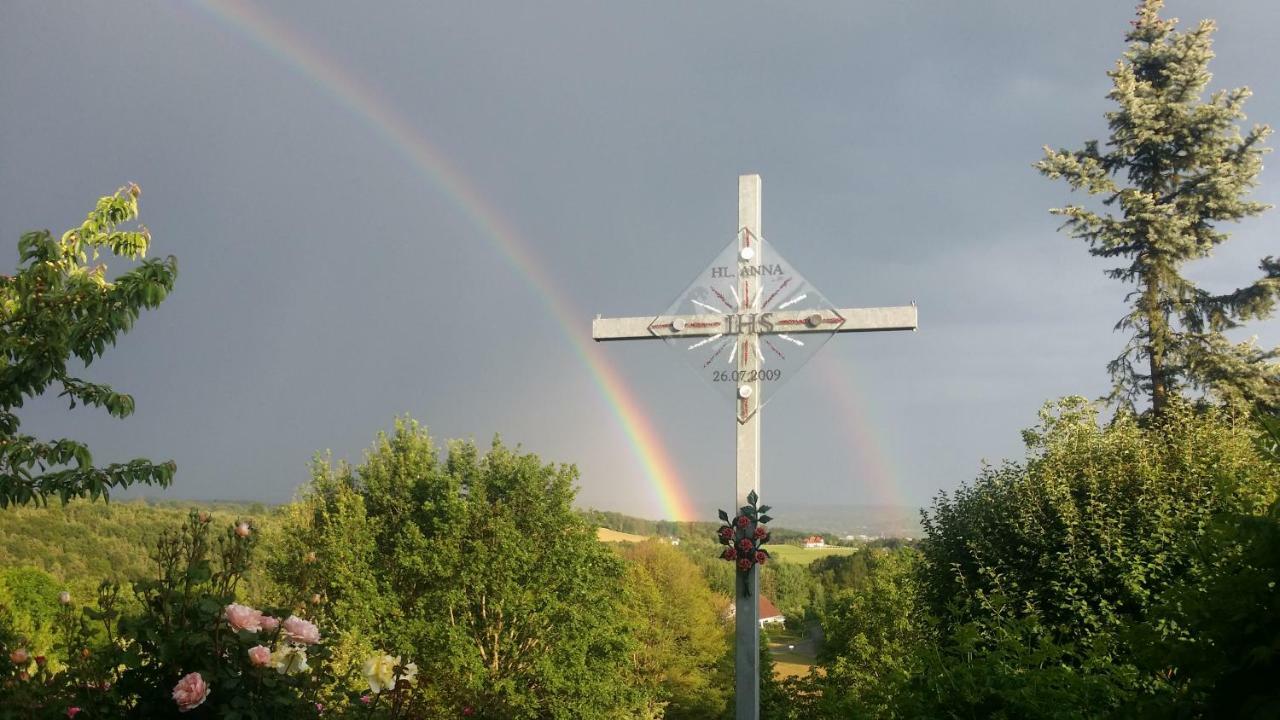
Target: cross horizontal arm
650,327
902,317
878,319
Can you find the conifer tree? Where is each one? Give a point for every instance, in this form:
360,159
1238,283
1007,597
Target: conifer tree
1175,167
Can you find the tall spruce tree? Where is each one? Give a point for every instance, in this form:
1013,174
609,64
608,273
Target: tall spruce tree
1175,167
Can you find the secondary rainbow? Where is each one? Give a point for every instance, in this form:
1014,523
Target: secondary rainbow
279,40
865,451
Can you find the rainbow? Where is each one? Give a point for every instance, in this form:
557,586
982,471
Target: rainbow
866,453
348,90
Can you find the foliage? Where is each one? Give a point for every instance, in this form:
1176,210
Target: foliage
189,629
873,634
789,585
480,558
1175,167
1010,666
59,306
679,631
1065,586
82,543
28,608
1221,637
1100,522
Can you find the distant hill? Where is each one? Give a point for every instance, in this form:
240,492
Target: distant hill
84,542
872,521
790,523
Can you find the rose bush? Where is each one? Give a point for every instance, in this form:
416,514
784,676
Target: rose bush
192,650
190,692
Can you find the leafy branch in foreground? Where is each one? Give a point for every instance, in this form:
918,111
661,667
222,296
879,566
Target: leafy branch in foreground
60,305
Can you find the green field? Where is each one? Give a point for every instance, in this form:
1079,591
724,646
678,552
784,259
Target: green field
803,556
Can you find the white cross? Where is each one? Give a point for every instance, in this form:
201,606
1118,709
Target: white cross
745,324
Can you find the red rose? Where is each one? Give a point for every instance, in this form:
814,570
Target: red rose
744,564
729,554
761,557
743,521
745,543
761,532
726,532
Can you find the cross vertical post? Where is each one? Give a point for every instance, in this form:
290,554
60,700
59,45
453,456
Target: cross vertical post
747,607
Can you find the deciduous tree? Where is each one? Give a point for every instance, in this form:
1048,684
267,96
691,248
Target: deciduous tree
477,565
61,305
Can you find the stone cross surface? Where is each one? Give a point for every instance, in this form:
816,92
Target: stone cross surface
726,324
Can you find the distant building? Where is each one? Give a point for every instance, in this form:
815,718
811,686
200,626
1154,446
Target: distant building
769,613
815,541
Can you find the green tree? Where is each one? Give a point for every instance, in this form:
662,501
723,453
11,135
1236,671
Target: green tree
680,635
1173,170
476,566
28,609
1101,521
1072,574
61,305
1225,643
872,634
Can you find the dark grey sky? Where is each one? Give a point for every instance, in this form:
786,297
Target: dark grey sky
326,286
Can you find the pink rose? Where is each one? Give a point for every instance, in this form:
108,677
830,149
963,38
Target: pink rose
729,554
300,631
761,557
73,711
20,657
743,521
745,544
726,532
744,564
243,617
269,623
190,691
242,529
260,655
761,531
365,699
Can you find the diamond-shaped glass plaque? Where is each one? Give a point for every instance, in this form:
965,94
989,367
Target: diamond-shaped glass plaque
748,320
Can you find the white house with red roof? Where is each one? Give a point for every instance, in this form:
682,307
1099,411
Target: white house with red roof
815,541
769,613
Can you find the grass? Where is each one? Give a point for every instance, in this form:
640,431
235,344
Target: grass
797,555
793,655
